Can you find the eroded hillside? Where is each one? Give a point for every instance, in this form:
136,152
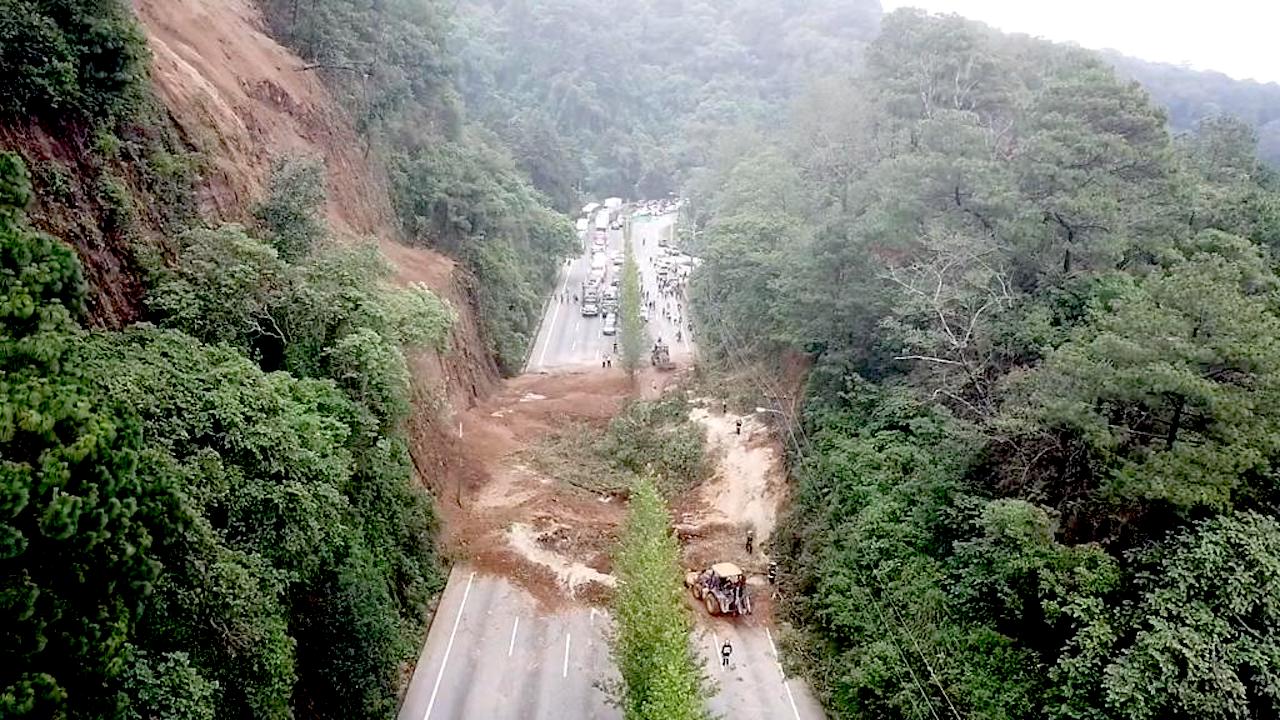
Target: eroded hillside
242,100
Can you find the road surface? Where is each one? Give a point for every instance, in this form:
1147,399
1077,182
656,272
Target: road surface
566,338
490,655
753,686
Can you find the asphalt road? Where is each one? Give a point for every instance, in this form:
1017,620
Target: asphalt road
490,654
752,686
567,339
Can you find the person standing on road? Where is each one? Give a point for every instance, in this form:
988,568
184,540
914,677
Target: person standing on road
751,540
725,651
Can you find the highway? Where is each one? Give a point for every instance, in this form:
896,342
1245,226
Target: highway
491,654
567,339
752,686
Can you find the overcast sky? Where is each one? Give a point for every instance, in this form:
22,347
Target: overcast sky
1236,37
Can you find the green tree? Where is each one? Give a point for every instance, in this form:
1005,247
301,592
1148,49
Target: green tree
1197,640
65,59
660,679
635,337
80,508
290,216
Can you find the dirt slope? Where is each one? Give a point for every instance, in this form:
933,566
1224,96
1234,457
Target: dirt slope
241,99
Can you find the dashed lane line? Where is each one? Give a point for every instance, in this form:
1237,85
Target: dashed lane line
564,672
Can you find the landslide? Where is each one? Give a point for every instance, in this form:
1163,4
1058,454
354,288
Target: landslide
240,100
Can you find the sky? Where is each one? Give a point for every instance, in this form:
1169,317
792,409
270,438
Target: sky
1235,37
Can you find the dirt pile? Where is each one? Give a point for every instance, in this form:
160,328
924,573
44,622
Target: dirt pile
505,516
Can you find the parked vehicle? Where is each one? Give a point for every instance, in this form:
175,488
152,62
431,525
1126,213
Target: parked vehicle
610,324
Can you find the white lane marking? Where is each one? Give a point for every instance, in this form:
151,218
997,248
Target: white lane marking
564,288
550,332
512,647
449,647
794,709
564,672
715,651
785,685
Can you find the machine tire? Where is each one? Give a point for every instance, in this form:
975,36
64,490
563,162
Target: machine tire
709,600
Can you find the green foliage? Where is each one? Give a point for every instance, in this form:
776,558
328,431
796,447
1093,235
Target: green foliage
168,688
42,286
70,59
117,203
1197,639
635,337
1041,430
1194,96
80,507
655,439
635,93
187,534
454,185
660,679
290,216
223,288
467,198
333,316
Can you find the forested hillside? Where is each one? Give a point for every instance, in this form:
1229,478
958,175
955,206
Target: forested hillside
455,185
1194,95
621,97
1041,435
207,503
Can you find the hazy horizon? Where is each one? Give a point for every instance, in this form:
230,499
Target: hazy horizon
1231,39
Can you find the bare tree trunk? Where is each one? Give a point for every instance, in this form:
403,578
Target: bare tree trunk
1174,425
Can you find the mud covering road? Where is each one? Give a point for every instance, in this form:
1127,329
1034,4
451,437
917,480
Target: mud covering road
521,630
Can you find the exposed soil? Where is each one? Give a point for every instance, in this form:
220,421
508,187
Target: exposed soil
506,517
242,100
744,493
554,539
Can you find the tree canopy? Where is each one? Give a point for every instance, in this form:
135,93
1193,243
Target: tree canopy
1042,418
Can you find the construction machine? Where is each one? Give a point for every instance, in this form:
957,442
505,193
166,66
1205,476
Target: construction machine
660,356
722,588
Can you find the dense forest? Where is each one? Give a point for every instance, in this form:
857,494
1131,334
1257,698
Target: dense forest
1194,95
623,97
210,513
1038,476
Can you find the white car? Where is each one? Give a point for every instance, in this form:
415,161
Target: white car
610,324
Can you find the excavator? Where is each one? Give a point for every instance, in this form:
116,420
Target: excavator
722,588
